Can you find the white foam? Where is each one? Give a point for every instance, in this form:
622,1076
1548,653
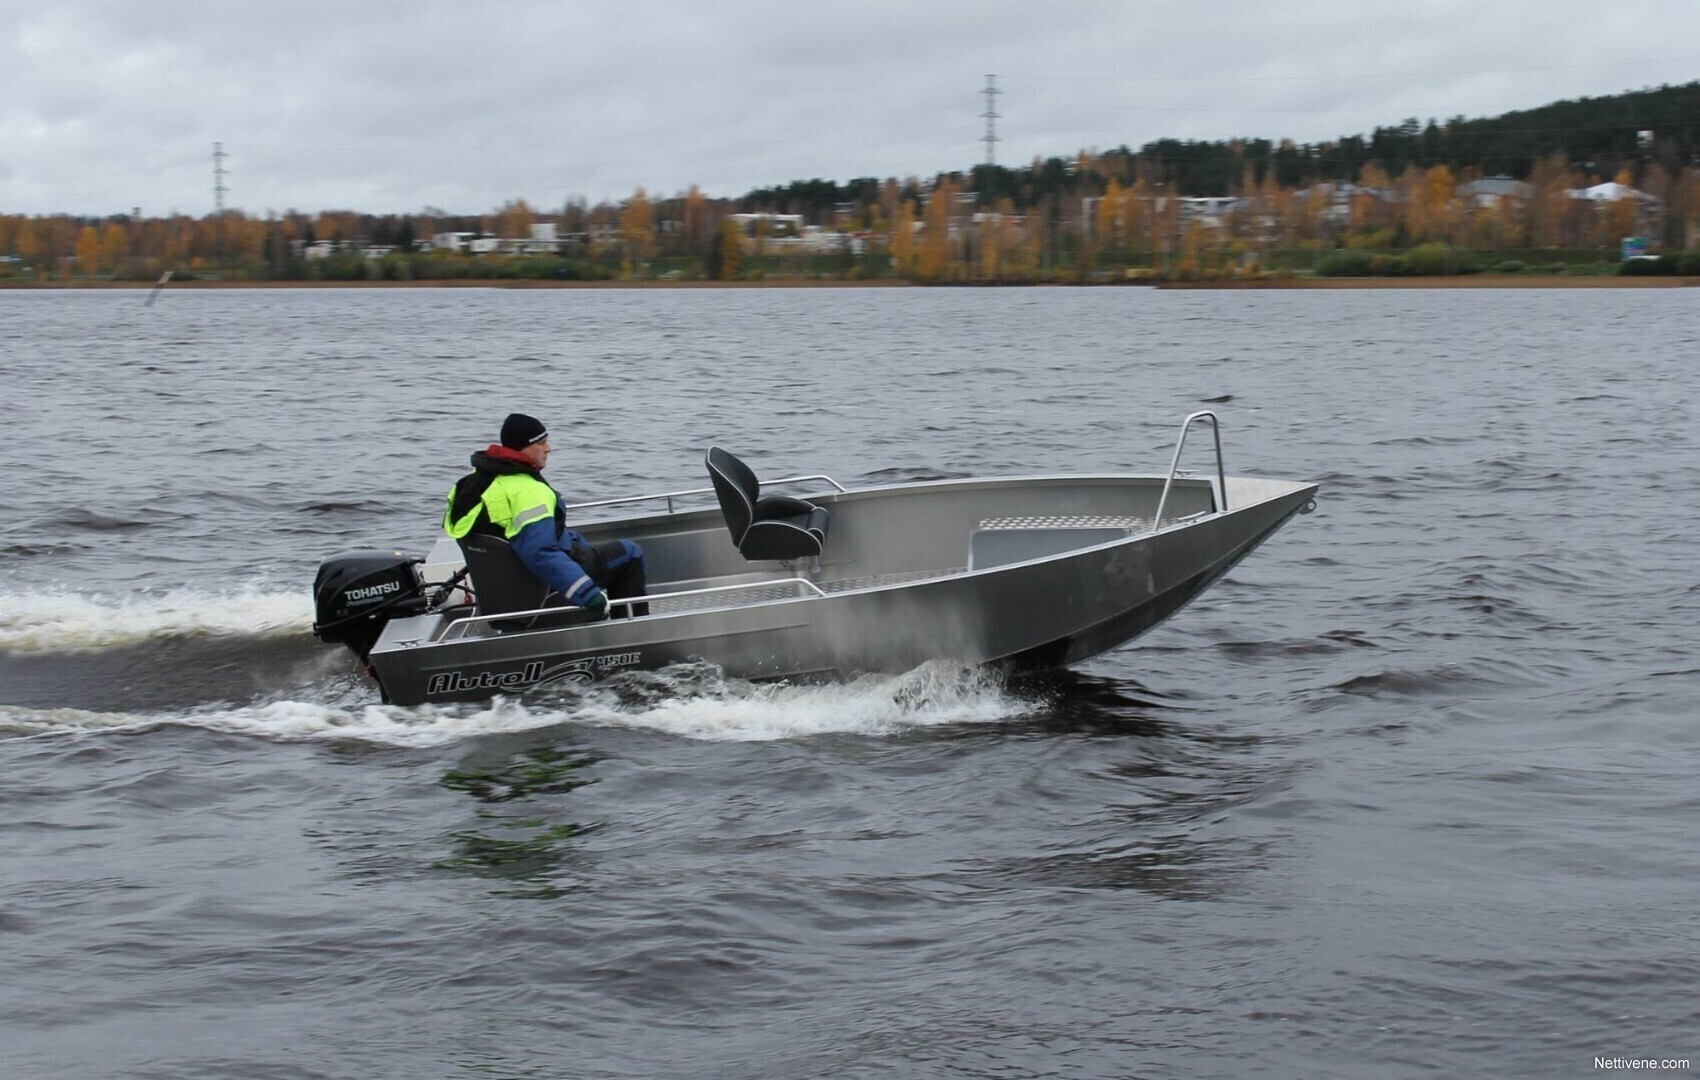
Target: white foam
691,702
931,695
61,621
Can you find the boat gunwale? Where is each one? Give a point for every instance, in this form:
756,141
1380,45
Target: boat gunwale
438,637
960,483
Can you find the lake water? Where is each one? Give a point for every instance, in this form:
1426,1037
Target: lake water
1412,792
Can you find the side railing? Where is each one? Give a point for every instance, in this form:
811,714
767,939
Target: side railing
669,496
458,628
1174,463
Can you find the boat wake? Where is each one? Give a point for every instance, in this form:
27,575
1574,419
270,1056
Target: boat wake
245,662
687,701
63,621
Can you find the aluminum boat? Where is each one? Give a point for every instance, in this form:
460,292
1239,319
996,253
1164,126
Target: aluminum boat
1026,572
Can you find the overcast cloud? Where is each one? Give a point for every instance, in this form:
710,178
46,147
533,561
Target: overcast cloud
395,105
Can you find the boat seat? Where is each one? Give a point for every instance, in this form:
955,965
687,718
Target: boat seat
775,527
501,583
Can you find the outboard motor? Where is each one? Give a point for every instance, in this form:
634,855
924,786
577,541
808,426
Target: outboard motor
357,593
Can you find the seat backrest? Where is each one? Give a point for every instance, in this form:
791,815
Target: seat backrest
737,489
500,581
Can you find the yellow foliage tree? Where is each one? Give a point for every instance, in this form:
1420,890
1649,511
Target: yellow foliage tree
991,244
696,220
1368,212
114,246
88,251
514,219
935,233
1108,229
28,241
336,225
637,229
903,239
1033,246
1554,215
248,237
1438,187
731,250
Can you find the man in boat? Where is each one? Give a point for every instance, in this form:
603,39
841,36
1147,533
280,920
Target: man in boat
505,495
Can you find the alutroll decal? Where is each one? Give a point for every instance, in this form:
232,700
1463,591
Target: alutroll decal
585,670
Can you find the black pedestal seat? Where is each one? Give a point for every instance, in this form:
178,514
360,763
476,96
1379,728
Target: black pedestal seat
770,527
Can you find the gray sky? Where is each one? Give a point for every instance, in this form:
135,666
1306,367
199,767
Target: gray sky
393,105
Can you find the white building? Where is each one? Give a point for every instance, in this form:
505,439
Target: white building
1493,190
1611,191
451,241
777,224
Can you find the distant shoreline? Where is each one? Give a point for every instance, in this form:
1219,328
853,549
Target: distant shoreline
467,283
1471,281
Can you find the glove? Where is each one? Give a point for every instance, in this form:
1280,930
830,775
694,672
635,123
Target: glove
597,604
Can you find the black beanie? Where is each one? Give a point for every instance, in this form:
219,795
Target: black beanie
520,431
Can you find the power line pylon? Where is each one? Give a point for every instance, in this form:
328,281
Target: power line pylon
218,201
990,138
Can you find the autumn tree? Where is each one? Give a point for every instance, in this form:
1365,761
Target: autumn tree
244,236
1439,195
1369,203
514,219
1195,242
1032,246
337,225
990,247
602,225
935,233
114,246
1008,239
696,221
637,230
28,241
726,251
902,245
1109,227
88,251
1423,204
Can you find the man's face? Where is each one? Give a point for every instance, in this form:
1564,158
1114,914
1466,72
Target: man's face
538,453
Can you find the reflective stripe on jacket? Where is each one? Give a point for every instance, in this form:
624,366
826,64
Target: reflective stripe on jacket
508,499
511,502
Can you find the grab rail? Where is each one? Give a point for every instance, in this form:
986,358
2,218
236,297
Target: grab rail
671,495
1174,463
458,627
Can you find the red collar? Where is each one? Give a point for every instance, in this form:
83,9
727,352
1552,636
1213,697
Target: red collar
514,457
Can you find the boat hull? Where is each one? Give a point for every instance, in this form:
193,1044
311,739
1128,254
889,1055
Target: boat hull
1050,610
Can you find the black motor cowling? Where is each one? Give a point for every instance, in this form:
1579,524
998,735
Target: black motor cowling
357,593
